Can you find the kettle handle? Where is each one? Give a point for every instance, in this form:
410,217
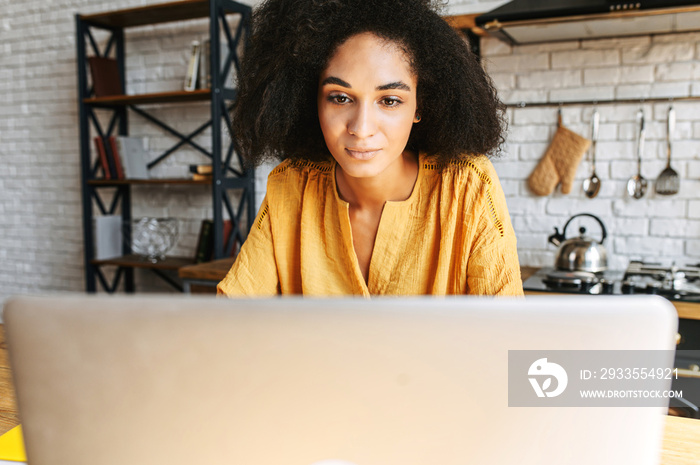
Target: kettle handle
602,226
557,238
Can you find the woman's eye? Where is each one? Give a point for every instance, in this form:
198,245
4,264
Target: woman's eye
391,102
339,99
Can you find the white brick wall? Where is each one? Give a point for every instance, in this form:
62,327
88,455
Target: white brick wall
41,247
655,227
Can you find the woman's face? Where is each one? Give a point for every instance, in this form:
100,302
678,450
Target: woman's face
367,104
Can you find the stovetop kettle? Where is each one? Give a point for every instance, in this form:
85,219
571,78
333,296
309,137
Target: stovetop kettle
580,253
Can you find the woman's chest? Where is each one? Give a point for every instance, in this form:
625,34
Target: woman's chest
364,225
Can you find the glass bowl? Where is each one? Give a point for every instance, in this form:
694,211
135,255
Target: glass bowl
152,238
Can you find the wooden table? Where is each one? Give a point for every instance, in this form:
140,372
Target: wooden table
681,444
203,277
8,405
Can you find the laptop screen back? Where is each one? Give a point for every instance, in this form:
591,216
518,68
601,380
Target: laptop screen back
173,380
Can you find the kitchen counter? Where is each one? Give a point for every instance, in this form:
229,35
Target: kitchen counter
687,310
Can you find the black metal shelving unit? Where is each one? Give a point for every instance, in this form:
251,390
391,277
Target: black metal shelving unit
225,177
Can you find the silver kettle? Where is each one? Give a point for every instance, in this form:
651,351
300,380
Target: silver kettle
580,253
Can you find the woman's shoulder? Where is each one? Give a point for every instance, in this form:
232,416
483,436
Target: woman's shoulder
296,167
292,175
467,170
473,180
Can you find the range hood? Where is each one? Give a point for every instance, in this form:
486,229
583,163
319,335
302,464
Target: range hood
531,21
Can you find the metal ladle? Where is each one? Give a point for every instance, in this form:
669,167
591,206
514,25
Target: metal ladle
591,185
637,185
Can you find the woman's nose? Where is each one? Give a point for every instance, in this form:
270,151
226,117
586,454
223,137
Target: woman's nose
362,123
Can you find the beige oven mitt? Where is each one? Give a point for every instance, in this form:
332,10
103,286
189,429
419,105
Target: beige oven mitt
559,162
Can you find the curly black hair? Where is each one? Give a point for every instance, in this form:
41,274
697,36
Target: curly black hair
292,41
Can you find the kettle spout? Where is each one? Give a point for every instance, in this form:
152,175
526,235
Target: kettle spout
557,238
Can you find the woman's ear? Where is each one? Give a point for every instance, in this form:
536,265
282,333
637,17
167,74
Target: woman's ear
417,118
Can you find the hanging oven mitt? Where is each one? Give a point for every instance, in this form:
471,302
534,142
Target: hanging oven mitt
559,162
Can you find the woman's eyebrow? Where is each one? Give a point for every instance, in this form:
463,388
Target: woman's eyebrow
335,80
395,85
392,85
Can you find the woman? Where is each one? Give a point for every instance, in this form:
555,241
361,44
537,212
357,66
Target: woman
383,119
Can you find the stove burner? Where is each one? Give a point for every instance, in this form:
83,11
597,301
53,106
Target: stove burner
653,278
661,273
672,282
579,276
584,282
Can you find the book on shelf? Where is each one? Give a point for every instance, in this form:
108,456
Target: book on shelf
202,177
201,169
108,236
228,229
115,158
102,155
193,67
132,156
204,251
204,80
205,242
105,76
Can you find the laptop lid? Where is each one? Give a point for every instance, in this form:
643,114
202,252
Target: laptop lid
176,380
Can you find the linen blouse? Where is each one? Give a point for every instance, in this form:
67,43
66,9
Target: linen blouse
453,235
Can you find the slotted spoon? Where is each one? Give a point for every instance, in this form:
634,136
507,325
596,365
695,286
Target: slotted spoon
668,182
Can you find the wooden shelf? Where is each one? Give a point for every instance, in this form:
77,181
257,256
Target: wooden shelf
121,182
136,261
161,97
151,14
215,14
466,21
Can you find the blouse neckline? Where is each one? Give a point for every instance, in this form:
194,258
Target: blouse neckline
393,203
389,233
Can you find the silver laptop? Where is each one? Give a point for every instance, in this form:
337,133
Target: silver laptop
388,381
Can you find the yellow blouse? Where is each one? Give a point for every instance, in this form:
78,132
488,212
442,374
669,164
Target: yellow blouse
453,235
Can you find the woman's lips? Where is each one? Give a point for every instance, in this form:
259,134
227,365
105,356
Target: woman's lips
362,154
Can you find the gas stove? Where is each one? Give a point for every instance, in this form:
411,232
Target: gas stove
680,283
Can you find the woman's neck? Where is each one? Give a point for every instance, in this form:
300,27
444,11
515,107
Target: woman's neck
395,183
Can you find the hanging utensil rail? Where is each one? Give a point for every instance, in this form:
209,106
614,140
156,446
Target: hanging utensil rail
602,102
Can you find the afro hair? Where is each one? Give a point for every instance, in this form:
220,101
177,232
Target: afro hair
276,116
